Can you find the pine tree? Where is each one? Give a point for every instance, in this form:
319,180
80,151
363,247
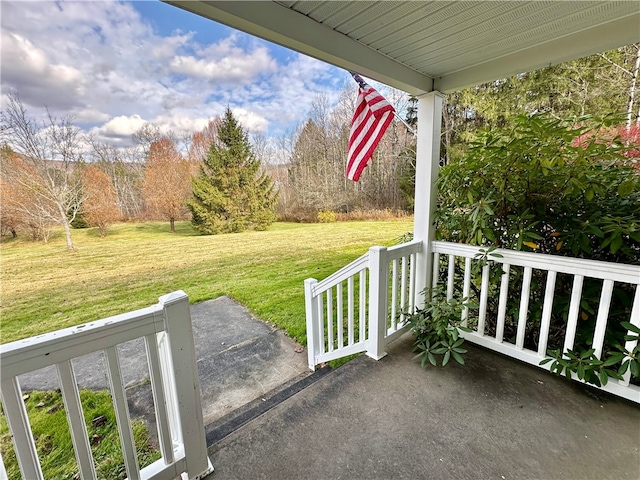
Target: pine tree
231,194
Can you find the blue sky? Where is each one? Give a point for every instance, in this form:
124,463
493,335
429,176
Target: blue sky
115,65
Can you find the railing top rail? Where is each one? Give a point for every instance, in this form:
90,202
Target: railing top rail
341,275
33,353
399,251
575,266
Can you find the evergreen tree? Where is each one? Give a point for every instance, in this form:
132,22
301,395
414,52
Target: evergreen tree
231,194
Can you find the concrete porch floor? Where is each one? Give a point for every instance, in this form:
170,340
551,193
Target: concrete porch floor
493,418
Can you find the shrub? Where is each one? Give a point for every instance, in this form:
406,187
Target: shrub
326,216
530,188
549,186
437,329
371,214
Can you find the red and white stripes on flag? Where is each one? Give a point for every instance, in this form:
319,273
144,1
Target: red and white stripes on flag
372,117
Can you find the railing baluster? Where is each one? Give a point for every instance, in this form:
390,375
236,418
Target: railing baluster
574,310
321,323
3,471
16,415
524,307
403,290
75,419
394,293
450,273
546,313
412,283
340,309
435,277
631,344
502,305
601,320
350,313
159,400
484,295
362,312
330,319
466,287
122,414
169,383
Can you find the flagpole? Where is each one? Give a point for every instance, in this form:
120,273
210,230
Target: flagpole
415,134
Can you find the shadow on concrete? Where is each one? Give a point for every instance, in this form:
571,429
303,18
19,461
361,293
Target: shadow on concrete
493,418
239,358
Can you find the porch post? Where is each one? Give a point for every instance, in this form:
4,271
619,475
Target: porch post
427,164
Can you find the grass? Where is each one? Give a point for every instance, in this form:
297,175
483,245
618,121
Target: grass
45,288
53,440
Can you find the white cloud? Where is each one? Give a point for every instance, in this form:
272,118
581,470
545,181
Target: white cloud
43,82
251,121
236,67
168,46
120,127
104,64
90,115
180,125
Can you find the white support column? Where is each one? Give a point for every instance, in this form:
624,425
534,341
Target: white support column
427,164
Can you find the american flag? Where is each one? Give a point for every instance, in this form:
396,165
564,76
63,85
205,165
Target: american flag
372,117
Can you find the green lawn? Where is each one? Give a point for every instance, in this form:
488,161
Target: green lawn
45,288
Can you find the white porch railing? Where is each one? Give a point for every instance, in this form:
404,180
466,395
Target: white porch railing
361,307
333,332
552,266
166,329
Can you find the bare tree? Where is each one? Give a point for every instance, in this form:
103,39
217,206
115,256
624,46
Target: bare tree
49,156
144,137
100,207
317,179
21,206
10,220
202,140
632,74
167,182
126,176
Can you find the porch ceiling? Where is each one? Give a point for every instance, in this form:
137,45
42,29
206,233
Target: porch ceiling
419,46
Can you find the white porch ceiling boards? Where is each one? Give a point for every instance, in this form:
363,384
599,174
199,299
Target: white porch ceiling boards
418,46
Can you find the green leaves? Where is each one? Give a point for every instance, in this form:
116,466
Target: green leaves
515,186
588,368
626,188
437,330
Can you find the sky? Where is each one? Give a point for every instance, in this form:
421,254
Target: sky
113,66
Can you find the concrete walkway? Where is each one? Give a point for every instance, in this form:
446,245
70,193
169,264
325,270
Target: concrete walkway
493,418
239,358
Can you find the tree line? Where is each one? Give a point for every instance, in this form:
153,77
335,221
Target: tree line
311,160
52,174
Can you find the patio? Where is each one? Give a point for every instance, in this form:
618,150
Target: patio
494,417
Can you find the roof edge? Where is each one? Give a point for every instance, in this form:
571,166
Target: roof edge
286,27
